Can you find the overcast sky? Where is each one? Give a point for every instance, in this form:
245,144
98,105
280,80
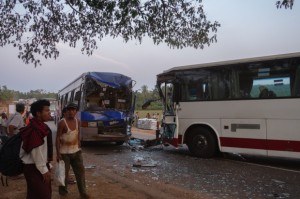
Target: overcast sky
249,28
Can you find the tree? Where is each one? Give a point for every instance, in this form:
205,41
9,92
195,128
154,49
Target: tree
285,4
143,94
5,94
36,27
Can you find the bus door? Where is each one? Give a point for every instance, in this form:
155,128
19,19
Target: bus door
244,135
168,129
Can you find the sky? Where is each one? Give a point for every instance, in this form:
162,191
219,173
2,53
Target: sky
249,28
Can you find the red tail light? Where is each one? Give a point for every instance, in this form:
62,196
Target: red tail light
84,124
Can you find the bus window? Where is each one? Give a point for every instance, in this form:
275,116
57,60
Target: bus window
271,87
296,84
66,99
273,79
195,86
220,84
167,92
77,96
72,96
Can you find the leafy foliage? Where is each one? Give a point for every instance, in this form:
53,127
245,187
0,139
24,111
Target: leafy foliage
7,95
36,27
144,94
285,3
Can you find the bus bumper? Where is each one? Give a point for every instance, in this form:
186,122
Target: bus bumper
91,134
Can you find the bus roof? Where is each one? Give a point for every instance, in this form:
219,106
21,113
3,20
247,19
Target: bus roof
231,62
112,79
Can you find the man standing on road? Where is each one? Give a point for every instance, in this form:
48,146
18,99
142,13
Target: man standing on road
37,151
16,121
68,149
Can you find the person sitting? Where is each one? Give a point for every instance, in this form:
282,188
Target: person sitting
265,93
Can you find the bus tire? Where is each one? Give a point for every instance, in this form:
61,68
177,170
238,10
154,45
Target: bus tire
202,143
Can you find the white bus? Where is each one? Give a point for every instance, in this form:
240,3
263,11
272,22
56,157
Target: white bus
105,105
247,106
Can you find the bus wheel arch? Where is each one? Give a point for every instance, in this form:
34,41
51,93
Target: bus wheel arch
202,141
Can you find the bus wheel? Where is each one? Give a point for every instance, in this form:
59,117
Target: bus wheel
202,143
120,143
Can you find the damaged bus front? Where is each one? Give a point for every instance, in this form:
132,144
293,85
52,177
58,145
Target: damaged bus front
106,105
168,90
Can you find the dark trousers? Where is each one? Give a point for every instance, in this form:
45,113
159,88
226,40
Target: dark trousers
3,130
75,160
36,187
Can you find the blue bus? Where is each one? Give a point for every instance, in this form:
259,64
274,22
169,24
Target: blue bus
105,105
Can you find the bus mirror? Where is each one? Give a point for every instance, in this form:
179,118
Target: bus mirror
148,102
77,95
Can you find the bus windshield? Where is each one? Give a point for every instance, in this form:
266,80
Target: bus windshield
166,93
100,96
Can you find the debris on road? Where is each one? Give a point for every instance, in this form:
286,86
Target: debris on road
90,167
140,144
141,162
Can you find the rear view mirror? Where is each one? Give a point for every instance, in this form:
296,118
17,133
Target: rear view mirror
148,102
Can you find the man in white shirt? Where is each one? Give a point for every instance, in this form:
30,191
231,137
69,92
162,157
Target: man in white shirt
36,152
16,121
68,149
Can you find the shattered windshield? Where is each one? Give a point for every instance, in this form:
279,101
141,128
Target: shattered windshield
166,92
100,96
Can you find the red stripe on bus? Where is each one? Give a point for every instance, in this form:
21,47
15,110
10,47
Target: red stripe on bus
174,141
284,145
243,143
276,145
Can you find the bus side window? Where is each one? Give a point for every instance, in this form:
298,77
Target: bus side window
265,93
206,91
297,82
191,90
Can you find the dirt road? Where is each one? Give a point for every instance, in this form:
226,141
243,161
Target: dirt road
104,180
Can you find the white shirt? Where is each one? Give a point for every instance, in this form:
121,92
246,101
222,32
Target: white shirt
4,122
69,140
17,121
37,156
